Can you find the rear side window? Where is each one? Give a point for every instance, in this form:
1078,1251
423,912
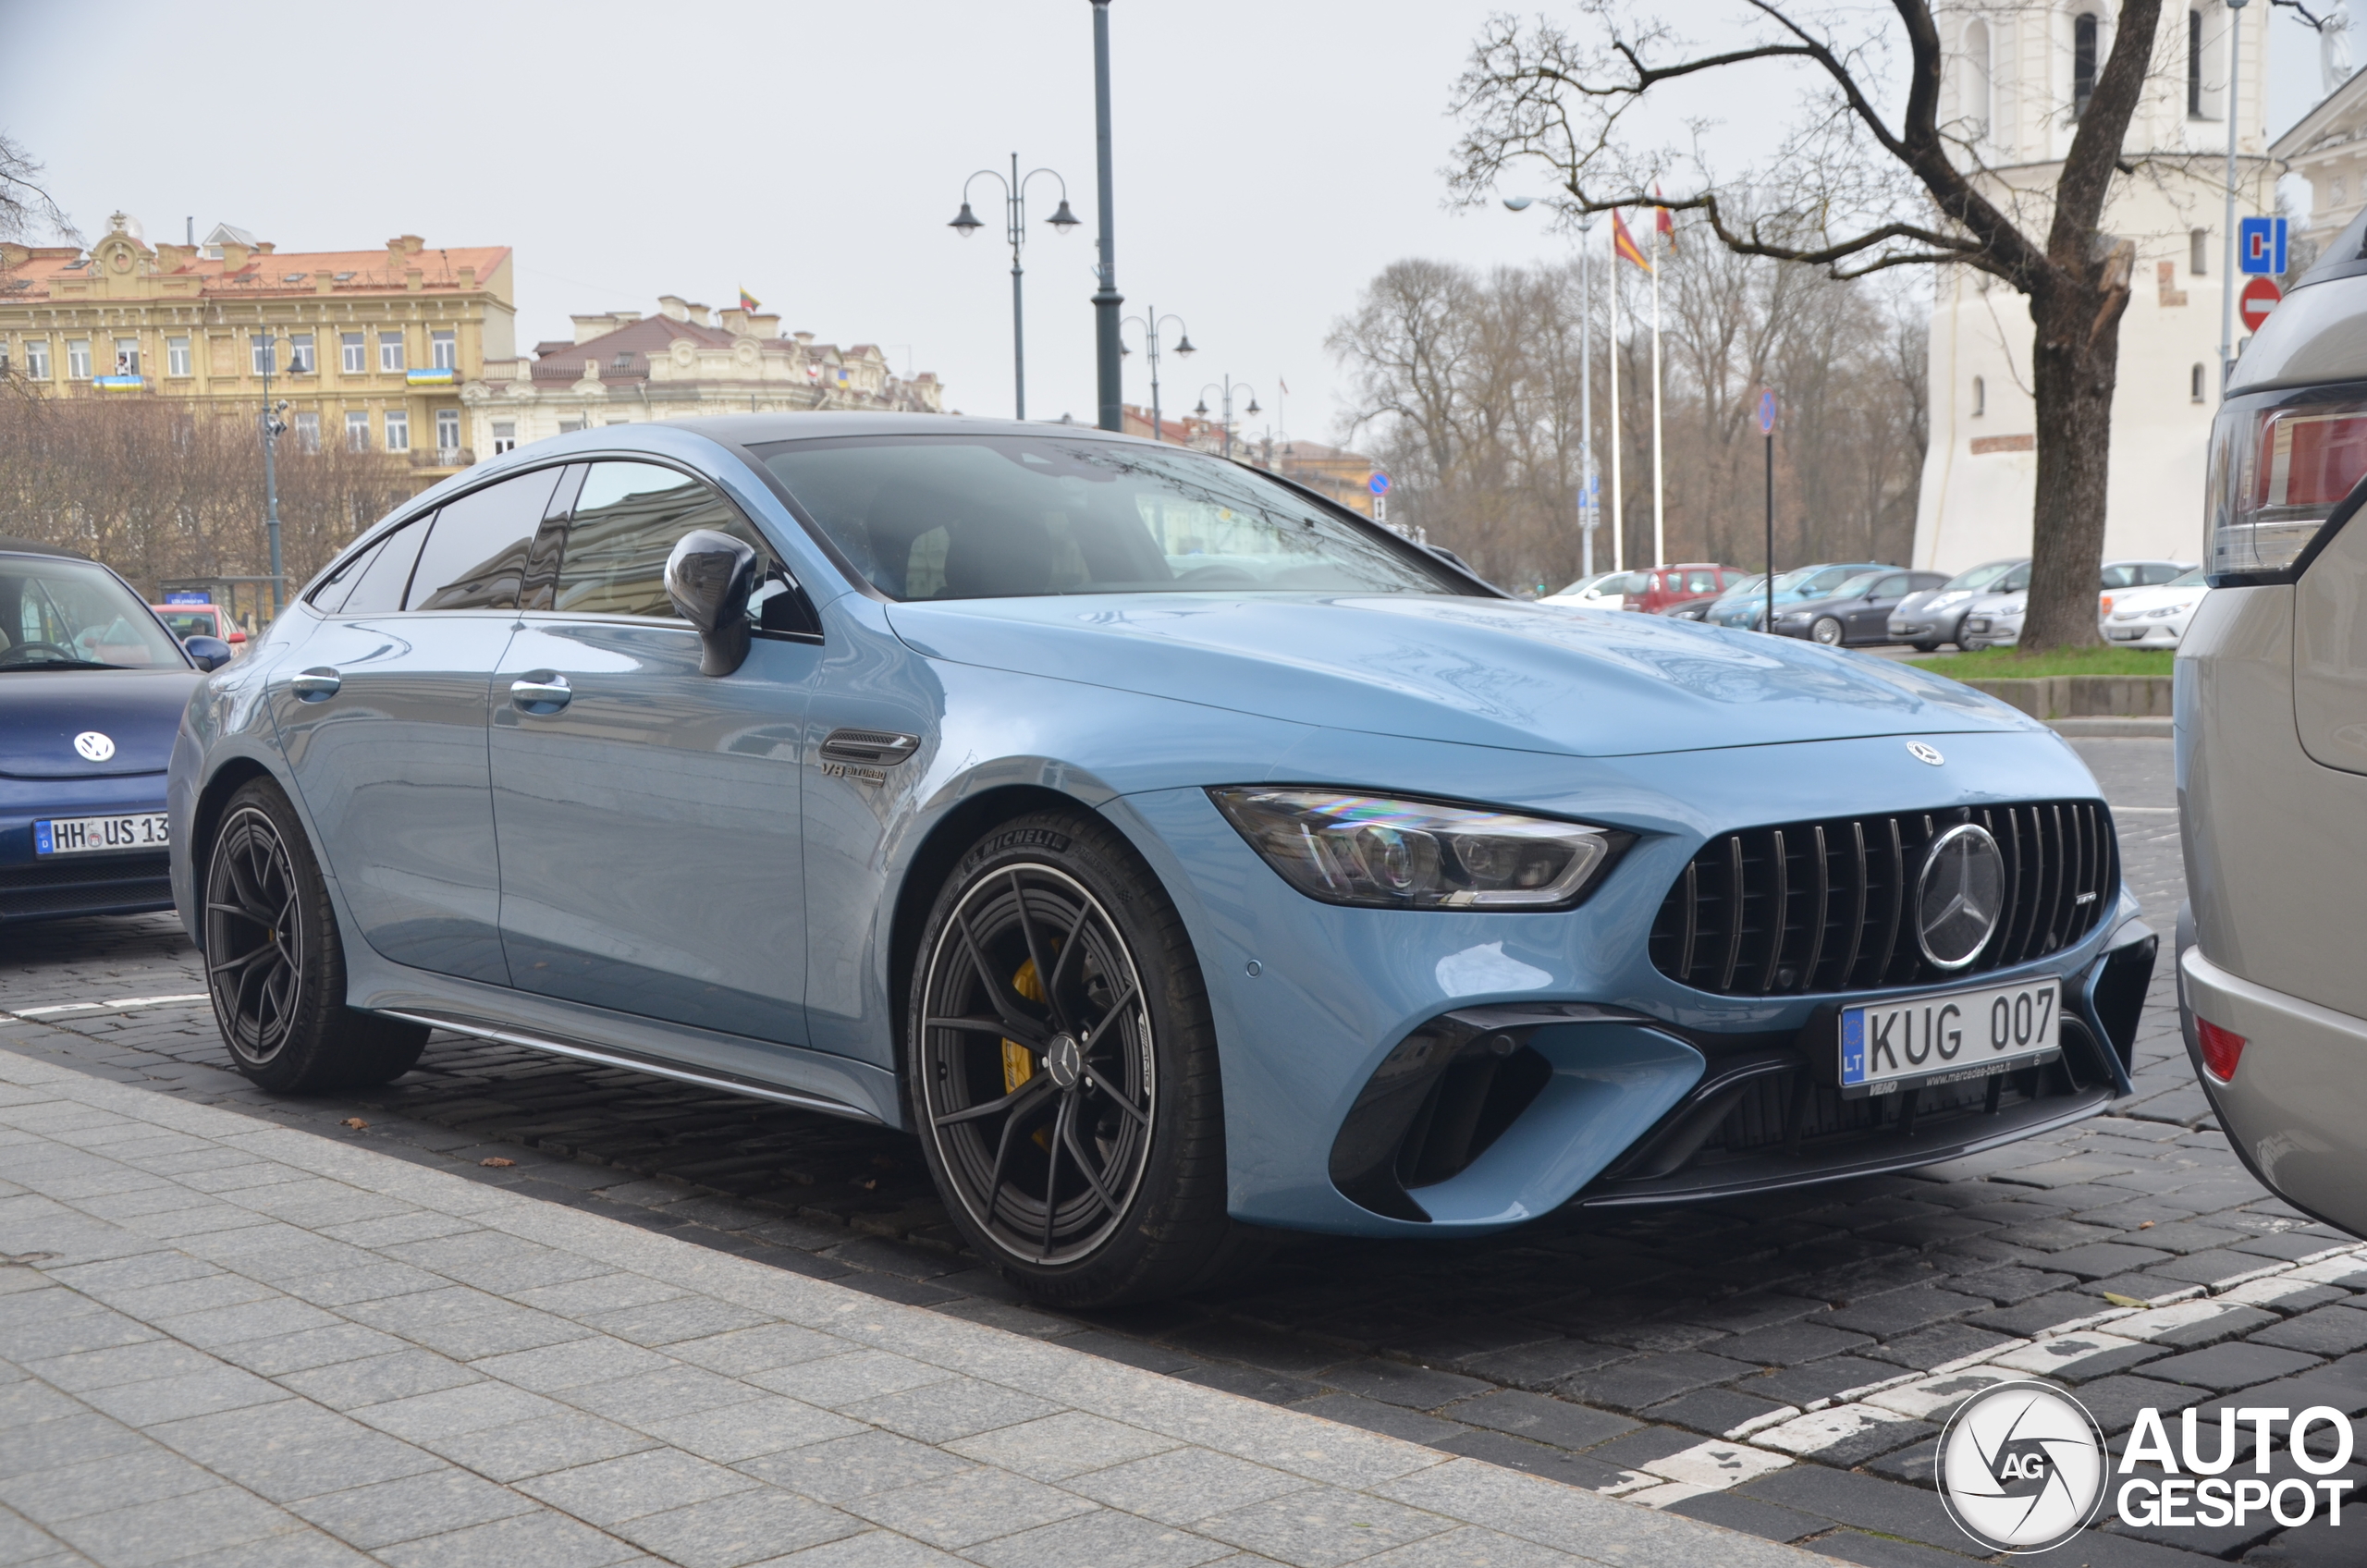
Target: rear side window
2122,576
627,522
476,554
378,585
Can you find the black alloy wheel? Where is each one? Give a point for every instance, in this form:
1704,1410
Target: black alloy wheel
274,963
1826,630
1064,1069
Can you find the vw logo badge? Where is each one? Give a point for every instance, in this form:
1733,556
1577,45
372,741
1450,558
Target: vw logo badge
2021,1467
1959,894
93,746
1922,752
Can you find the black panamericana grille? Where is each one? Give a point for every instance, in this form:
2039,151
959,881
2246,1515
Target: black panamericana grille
1829,906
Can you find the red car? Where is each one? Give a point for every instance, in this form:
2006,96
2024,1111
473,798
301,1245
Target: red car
185,621
1662,589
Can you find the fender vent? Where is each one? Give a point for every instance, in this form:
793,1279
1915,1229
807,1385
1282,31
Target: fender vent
871,748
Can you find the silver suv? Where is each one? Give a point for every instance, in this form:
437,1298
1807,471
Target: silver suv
2272,752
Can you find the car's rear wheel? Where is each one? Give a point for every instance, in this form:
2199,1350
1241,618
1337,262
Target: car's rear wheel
1927,647
1826,630
274,962
1064,1069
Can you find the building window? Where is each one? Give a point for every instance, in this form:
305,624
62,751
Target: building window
2198,252
505,436
2083,61
263,351
1979,396
126,356
4,358
308,431
444,350
397,431
357,430
37,358
78,358
447,432
569,426
390,348
300,353
175,355
1976,79
2194,382
2194,65
350,355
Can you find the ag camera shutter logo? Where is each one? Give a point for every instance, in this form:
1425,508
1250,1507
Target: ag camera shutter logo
2022,1467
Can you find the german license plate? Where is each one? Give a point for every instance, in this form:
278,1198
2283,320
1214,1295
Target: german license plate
81,835
1887,1047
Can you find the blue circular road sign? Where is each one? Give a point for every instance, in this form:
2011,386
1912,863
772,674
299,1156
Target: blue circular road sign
1380,485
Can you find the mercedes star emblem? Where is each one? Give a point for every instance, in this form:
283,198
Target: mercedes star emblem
1959,894
93,746
1922,752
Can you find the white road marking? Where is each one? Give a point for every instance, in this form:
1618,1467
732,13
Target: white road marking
119,1005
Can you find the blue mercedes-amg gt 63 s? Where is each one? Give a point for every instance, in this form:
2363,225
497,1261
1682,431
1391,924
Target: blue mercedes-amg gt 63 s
1178,856
92,688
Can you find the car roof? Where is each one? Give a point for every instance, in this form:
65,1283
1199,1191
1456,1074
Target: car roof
10,545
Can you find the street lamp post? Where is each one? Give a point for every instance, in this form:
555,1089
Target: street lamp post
1152,322
1106,347
1226,391
1014,204
274,427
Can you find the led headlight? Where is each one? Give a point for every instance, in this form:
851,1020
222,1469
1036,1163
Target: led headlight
1384,852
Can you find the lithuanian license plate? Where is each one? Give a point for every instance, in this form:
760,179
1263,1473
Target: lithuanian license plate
1887,1047
80,835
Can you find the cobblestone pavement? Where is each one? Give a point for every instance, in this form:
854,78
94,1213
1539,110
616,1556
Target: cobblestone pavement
2132,1256
230,1344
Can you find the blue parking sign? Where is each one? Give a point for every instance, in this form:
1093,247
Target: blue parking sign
2260,246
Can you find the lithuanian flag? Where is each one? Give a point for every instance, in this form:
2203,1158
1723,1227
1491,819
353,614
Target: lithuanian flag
748,302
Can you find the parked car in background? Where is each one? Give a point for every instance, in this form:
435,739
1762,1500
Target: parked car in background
912,770
1994,621
1664,588
92,688
2272,752
1935,616
1603,591
1794,587
1699,609
185,621
1857,611
2154,618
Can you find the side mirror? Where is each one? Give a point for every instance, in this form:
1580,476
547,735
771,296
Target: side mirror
710,577
207,653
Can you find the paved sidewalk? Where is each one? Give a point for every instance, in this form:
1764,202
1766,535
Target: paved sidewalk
223,1341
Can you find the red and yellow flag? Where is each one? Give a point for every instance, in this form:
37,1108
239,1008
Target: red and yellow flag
1623,244
1666,222
748,302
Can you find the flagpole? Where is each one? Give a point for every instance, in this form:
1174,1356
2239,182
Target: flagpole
1660,533
1618,527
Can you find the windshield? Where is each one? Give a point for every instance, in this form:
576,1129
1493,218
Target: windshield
1811,581
2187,579
58,612
1581,585
1859,586
1982,576
988,516
1744,587
183,621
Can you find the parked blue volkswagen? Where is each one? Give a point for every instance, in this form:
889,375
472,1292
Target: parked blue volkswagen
92,688
1178,856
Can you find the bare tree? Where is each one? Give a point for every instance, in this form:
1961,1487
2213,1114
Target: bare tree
1868,191
26,207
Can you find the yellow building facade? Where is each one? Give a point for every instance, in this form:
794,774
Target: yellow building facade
369,348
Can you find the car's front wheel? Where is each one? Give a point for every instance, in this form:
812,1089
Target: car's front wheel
1064,1069
274,962
1826,630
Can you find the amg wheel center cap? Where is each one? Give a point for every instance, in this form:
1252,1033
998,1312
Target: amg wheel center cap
1064,1059
1959,894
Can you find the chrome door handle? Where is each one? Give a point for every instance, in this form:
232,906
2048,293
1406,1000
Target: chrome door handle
547,695
313,685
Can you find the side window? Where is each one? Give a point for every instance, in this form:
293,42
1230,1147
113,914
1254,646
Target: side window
1701,582
329,598
626,522
1892,587
476,553
2016,580
378,587
2159,572
2119,576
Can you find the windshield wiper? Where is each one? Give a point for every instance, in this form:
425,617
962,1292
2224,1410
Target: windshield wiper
63,664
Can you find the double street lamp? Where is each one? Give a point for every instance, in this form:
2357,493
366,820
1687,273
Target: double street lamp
1225,391
1014,200
1153,323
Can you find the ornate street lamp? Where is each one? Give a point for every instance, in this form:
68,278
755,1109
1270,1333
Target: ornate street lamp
965,224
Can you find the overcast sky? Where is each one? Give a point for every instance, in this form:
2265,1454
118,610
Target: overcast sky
1270,158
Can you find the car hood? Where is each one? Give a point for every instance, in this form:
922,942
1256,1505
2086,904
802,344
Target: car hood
2132,602
43,711
1488,672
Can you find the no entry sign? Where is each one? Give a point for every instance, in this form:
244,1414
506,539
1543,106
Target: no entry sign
2258,298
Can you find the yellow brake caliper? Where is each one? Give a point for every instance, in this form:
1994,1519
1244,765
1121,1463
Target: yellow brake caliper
1018,1062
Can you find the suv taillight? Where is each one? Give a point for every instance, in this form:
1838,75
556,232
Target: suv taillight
2283,466
2222,1049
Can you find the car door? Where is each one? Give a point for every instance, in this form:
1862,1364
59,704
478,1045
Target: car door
383,723
1868,620
648,815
